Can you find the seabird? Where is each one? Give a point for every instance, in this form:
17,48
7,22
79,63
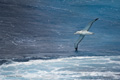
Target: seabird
84,32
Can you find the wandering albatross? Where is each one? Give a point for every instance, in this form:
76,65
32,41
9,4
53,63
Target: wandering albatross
83,32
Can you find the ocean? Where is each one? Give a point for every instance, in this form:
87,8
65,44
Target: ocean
37,40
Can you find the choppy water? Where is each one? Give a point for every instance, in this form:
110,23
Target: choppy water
42,31
71,68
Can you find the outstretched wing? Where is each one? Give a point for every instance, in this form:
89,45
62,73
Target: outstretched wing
90,24
78,41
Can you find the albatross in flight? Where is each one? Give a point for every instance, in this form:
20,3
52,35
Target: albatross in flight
84,32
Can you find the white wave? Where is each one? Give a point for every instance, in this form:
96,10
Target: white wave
71,68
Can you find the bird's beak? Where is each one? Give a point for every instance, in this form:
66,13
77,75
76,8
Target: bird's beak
75,33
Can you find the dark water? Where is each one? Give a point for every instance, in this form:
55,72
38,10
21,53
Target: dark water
44,29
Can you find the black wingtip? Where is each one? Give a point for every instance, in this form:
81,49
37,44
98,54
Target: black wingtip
96,19
76,49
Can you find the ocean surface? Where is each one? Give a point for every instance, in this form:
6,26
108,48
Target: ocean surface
37,40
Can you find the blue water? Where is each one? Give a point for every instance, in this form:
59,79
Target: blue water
37,40
72,68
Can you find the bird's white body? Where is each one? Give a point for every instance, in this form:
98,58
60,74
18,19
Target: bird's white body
84,32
